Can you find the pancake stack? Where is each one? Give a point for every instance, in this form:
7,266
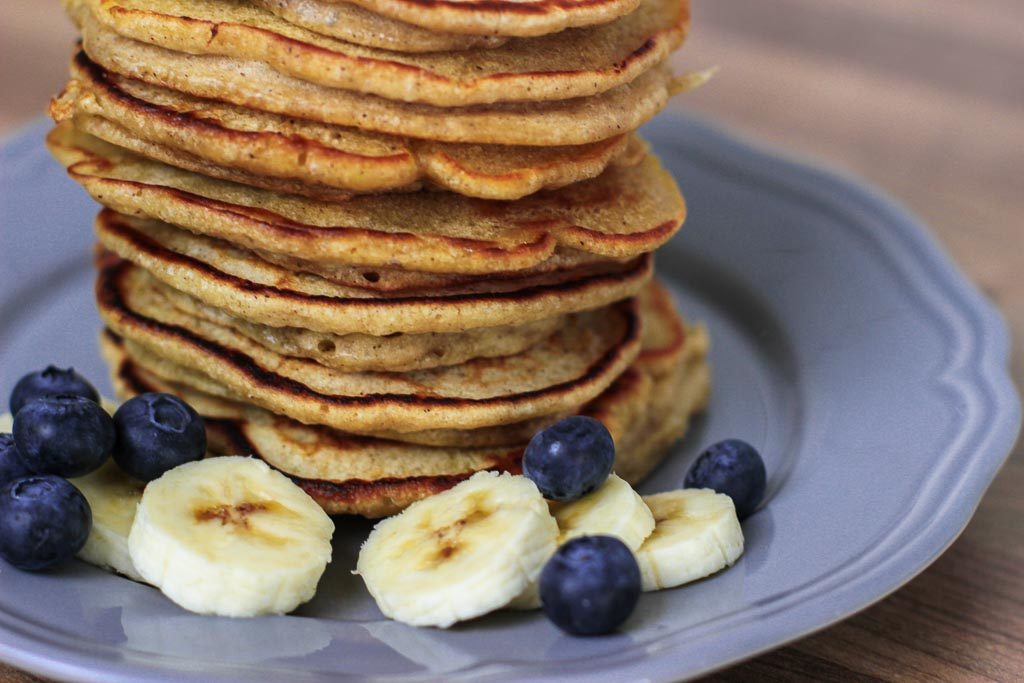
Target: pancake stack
380,243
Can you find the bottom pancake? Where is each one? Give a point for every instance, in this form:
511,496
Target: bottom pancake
646,410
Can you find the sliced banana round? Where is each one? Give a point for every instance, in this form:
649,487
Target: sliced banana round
459,554
230,536
614,509
113,497
696,534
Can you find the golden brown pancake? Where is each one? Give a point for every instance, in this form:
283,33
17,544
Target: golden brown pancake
250,288
500,17
315,160
399,282
621,214
567,369
393,353
354,24
252,84
576,63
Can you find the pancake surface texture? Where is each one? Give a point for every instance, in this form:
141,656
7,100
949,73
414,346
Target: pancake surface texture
392,353
501,17
252,84
354,24
625,212
576,63
303,157
567,369
248,287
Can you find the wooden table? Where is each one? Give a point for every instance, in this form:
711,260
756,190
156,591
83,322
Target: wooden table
923,99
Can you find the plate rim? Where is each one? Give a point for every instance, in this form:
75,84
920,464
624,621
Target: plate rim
987,369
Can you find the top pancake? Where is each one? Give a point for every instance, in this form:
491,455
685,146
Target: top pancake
312,159
354,24
253,84
576,63
500,17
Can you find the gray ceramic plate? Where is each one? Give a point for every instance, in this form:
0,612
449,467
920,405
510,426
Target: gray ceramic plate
846,346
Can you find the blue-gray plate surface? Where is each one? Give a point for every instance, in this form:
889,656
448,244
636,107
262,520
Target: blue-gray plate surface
846,346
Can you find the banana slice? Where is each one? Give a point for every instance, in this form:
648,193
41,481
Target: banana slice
459,554
230,536
697,534
614,509
113,497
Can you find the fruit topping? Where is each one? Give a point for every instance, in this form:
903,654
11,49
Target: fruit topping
65,434
49,382
11,465
230,536
614,509
732,467
44,521
459,554
570,458
155,433
696,534
590,585
113,497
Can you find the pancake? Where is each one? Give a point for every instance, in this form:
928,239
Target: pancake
673,400
494,436
567,369
399,282
625,212
660,325
676,360
345,474
354,24
252,84
247,287
663,342
576,63
376,477
352,352
666,344
311,159
499,17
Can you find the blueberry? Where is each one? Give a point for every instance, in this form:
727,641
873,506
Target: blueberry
590,585
11,465
156,433
63,434
570,458
732,467
49,382
44,521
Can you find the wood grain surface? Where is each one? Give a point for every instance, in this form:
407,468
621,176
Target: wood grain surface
924,99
